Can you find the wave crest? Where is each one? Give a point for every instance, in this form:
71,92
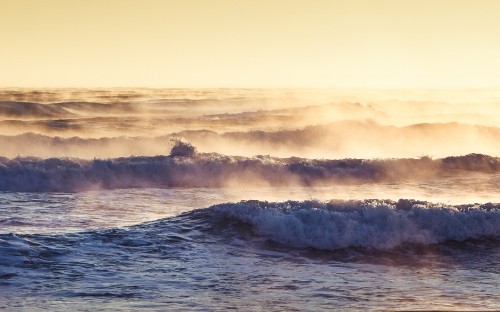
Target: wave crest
215,170
368,224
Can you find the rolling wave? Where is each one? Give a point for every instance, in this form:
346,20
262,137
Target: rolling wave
368,224
216,170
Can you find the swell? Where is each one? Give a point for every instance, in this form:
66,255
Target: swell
216,170
28,110
230,115
45,146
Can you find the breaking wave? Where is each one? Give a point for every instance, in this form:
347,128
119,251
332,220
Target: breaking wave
368,225
372,224
216,170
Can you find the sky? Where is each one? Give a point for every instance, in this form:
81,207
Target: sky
252,43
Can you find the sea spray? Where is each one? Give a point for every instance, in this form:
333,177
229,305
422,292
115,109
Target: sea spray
374,224
188,169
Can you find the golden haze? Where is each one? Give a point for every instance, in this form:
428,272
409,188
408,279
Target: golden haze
261,43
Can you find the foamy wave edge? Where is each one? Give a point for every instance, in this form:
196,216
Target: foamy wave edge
215,170
374,224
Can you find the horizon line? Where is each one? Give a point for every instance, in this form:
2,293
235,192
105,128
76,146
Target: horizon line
258,87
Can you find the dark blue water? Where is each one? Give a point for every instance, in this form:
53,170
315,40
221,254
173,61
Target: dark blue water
252,255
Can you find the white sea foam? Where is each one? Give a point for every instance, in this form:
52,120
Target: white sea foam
215,170
371,224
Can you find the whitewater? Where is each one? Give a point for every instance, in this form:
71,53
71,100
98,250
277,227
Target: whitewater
249,199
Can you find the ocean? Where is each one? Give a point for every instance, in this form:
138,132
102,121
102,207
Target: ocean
249,199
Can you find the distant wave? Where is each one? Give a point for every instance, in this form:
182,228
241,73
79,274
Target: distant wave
215,170
30,144
361,139
355,139
32,110
30,106
368,224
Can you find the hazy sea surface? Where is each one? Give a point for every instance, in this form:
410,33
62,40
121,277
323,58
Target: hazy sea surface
297,200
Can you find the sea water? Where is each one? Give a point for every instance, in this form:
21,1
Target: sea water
285,248
291,202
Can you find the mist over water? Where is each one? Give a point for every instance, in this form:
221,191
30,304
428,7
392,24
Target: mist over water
281,123
206,199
